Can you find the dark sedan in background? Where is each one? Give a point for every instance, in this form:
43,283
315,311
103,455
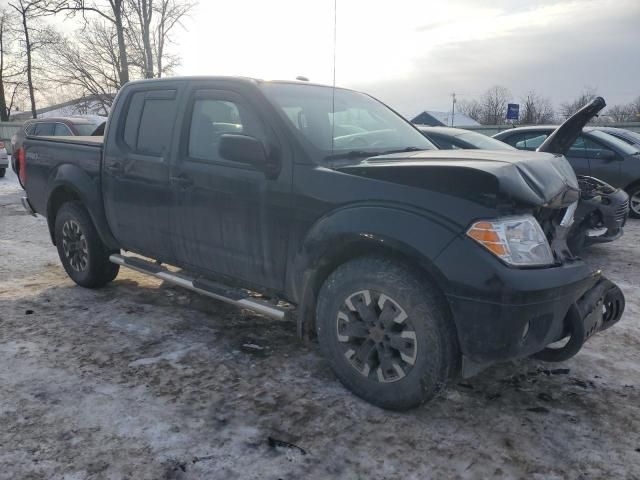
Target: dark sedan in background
595,153
632,138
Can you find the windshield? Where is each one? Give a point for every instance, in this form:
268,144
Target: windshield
478,140
351,124
615,142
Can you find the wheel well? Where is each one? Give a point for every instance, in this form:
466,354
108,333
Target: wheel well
59,197
635,183
314,278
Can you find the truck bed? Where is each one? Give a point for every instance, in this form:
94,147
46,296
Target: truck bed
46,156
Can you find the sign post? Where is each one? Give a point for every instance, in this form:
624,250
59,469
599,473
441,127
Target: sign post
513,111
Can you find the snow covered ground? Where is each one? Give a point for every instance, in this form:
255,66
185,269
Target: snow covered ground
145,381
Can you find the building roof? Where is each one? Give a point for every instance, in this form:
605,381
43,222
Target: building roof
443,119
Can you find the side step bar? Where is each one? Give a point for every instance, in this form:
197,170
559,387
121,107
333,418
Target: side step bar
203,286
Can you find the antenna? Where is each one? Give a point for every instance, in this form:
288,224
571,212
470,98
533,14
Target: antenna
333,93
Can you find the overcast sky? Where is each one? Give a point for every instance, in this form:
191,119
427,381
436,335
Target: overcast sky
413,54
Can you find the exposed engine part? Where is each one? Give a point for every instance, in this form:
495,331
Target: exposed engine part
602,209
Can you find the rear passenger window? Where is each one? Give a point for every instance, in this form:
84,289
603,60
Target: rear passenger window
212,118
527,141
61,130
44,129
149,121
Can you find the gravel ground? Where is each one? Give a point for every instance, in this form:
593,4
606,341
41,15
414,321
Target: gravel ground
141,380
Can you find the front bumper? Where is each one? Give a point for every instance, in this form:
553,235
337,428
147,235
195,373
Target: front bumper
504,313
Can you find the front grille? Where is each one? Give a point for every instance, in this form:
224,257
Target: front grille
621,212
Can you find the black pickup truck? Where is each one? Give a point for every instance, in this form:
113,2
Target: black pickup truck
410,264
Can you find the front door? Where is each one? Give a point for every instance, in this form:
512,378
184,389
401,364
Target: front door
605,163
136,172
228,218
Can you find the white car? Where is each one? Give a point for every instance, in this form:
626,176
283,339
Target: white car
4,160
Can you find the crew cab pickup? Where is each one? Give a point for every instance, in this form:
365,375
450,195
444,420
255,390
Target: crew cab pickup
410,264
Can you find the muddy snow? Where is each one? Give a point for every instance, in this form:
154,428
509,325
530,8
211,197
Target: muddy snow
141,380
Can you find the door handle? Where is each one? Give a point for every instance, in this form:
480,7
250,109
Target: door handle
181,180
115,168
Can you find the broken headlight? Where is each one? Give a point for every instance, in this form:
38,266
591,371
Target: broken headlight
518,241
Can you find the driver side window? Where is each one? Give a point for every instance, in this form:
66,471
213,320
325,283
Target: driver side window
211,118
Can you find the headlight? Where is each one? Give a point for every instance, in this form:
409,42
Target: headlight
519,241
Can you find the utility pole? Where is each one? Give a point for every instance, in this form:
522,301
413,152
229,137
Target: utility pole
453,107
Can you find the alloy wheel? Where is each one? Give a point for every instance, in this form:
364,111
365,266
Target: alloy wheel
74,245
376,336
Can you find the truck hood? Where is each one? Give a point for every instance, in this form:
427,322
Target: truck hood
541,180
563,137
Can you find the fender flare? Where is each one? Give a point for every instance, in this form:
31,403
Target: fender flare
71,178
418,237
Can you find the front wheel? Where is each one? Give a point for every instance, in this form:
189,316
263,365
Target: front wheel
634,201
386,332
82,253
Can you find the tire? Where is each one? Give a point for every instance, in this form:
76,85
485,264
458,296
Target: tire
634,200
413,347
2,172
82,253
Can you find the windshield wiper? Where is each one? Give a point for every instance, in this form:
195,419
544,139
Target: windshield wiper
401,150
352,154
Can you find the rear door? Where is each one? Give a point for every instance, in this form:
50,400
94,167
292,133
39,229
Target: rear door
228,218
136,170
578,156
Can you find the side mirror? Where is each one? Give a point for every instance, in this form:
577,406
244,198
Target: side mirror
606,155
242,149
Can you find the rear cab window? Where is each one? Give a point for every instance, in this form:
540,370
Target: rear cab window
149,122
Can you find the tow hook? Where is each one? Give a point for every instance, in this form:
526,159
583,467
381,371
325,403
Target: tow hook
595,311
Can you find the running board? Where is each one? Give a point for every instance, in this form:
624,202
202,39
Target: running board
203,286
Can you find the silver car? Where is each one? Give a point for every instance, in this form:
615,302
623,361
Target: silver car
4,159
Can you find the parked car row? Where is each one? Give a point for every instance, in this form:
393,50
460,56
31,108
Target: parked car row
55,127
596,153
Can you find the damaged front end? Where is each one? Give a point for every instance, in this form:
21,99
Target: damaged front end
598,309
600,216
603,304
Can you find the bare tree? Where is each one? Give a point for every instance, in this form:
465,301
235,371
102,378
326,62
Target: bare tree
170,14
111,11
536,109
494,105
621,113
88,64
150,27
471,108
569,108
11,72
635,109
34,36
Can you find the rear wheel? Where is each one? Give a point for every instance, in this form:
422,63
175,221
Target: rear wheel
634,200
386,332
84,257
2,172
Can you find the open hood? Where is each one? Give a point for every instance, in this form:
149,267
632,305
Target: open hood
563,137
531,178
